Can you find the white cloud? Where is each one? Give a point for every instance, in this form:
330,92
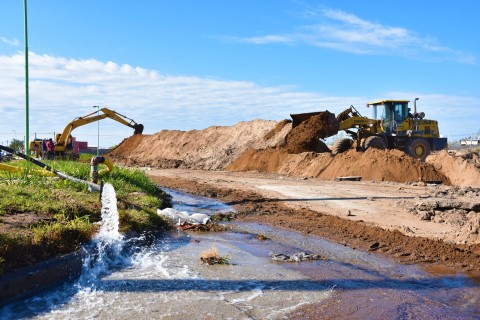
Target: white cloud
11,42
62,89
346,32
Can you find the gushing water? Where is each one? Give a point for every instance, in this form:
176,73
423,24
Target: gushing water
109,228
105,251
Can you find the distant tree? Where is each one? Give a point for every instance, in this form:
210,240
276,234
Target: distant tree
17,145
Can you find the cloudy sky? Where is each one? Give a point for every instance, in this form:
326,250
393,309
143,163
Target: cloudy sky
188,64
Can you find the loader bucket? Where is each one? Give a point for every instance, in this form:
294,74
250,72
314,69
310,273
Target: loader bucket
301,117
326,125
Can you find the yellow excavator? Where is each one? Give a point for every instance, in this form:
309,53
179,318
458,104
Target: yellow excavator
396,127
63,143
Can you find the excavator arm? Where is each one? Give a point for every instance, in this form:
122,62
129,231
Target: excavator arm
123,119
62,139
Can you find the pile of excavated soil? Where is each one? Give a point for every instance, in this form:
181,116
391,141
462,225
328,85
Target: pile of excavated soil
463,169
374,164
209,149
272,146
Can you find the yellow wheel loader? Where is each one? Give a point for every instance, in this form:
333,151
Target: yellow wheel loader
63,143
393,126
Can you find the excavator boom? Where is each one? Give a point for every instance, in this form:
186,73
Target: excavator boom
62,139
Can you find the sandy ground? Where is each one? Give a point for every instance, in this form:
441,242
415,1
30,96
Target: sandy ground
376,216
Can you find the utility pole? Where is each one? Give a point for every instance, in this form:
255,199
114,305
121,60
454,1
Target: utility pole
98,130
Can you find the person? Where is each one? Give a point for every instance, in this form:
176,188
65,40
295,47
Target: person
50,149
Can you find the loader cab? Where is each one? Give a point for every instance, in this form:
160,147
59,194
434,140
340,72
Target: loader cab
391,113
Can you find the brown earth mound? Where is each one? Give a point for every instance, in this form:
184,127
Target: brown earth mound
463,169
209,149
374,164
272,146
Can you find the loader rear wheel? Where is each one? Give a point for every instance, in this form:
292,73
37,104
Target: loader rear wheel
418,149
374,142
342,145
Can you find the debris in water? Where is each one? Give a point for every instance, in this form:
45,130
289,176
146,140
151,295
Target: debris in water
297,257
220,216
182,217
185,221
261,237
211,256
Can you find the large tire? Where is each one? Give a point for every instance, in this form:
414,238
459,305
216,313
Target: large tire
342,145
374,142
418,148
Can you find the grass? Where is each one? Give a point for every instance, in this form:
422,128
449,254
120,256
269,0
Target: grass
63,213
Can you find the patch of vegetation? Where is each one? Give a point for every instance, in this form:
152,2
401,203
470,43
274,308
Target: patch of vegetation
64,213
63,236
211,256
141,220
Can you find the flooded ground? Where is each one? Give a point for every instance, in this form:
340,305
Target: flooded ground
122,280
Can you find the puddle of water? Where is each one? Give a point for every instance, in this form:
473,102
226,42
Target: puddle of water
167,280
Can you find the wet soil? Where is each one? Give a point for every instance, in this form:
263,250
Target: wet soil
255,207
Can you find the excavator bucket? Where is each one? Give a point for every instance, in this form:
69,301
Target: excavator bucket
138,129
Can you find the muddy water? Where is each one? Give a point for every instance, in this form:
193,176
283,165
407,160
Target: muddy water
167,281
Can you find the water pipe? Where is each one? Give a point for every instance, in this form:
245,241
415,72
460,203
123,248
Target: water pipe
94,162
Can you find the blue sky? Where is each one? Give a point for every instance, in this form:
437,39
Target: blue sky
188,64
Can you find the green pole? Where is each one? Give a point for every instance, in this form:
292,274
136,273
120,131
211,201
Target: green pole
27,135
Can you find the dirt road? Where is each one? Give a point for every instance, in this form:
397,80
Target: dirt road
385,217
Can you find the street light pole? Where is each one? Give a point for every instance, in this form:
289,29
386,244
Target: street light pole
98,130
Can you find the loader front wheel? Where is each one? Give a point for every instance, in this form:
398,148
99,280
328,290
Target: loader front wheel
342,145
418,149
374,142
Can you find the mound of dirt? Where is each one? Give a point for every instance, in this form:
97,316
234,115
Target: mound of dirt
209,149
463,169
374,164
271,146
